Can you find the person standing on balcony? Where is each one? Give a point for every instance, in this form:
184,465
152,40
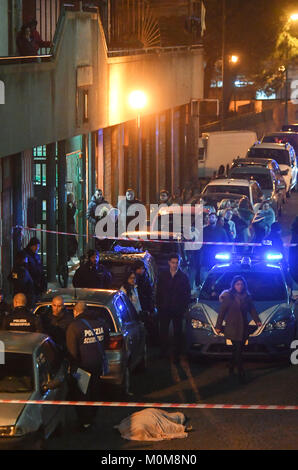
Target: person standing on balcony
37,42
24,42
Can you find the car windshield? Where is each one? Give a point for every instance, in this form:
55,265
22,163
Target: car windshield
227,189
263,179
118,270
16,375
281,156
262,286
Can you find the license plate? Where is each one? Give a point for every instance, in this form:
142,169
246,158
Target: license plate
229,342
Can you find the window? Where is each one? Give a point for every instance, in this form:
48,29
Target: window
16,375
263,286
227,189
279,155
123,311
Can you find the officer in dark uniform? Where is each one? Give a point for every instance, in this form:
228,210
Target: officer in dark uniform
21,279
55,321
84,352
35,266
92,274
20,319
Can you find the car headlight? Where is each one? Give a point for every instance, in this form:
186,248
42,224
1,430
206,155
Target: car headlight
280,324
198,324
11,431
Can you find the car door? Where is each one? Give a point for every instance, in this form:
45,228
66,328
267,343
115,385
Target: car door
52,368
293,166
137,329
129,329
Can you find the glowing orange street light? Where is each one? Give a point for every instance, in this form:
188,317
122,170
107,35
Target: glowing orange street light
294,17
137,99
234,59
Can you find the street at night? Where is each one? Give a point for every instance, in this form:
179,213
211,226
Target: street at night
148,229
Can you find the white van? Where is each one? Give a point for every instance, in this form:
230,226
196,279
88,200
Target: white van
221,148
284,155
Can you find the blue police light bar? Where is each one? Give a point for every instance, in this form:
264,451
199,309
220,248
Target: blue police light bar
223,256
274,256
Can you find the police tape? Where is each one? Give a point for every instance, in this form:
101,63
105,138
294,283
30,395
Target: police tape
139,239
151,405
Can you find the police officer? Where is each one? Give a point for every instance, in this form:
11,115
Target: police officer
21,279
20,319
55,321
92,274
35,266
85,353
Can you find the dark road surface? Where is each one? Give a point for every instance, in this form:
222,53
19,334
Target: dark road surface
205,382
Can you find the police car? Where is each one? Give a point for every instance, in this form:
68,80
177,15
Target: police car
268,288
33,369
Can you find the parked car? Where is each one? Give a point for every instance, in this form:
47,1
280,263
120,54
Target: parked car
159,244
290,127
265,172
248,188
267,285
285,156
127,348
282,137
218,200
33,370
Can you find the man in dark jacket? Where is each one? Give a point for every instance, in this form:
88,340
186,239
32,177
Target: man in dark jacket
21,279
84,352
145,289
35,266
55,322
20,319
173,297
92,274
96,200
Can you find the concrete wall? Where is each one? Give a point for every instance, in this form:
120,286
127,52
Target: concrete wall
44,104
4,28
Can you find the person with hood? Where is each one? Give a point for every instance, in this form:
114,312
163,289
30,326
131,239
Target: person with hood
35,266
21,279
20,319
92,274
236,309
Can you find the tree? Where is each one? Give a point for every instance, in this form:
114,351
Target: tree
253,30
